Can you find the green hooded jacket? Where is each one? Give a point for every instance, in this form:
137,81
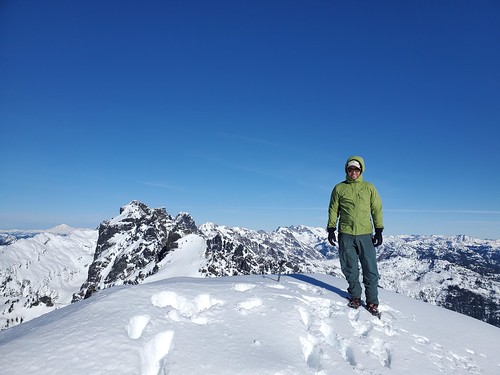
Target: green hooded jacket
355,204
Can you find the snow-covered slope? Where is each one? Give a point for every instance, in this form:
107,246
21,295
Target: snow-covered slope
247,325
457,272
41,272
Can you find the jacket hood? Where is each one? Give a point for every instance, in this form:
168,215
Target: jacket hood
361,161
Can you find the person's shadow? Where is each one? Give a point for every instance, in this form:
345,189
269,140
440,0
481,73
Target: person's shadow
316,282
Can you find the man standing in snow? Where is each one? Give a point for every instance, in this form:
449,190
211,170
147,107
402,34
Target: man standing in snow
357,207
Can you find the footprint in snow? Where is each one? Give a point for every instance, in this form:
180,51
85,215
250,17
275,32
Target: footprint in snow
382,351
337,342
322,306
304,316
316,315
249,304
421,340
243,287
275,286
136,326
446,360
307,287
184,308
310,350
154,352
361,328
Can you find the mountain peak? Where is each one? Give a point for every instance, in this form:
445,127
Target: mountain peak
61,229
131,245
134,207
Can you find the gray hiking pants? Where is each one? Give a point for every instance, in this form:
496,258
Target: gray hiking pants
359,248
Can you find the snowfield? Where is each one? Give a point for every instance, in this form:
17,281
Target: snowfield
247,325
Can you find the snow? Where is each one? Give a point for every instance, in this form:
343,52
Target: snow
48,264
178,322
132,210
62,229
187,260
247,325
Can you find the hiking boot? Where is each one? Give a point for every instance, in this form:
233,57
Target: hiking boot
354,302
373,308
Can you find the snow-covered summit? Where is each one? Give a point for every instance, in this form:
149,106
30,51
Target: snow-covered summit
247,325
61,229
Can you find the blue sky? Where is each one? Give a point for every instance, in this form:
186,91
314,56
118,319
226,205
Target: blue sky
243,113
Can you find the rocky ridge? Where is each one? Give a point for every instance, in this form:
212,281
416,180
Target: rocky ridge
458,272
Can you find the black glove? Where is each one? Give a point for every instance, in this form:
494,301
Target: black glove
332,238
377,238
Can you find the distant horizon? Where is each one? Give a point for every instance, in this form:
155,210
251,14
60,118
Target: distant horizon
236,226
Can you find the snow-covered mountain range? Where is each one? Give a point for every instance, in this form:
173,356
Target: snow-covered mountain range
42,271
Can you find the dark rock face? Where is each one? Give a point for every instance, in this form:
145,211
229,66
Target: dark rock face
469,303
130,246
237,251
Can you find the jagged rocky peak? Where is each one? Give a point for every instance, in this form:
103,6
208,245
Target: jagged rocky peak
134,207
185,223
138,210
131,245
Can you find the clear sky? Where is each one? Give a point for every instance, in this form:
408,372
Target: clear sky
243,112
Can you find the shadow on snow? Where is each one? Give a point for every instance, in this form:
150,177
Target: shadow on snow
316,282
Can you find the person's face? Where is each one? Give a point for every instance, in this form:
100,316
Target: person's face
353,172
